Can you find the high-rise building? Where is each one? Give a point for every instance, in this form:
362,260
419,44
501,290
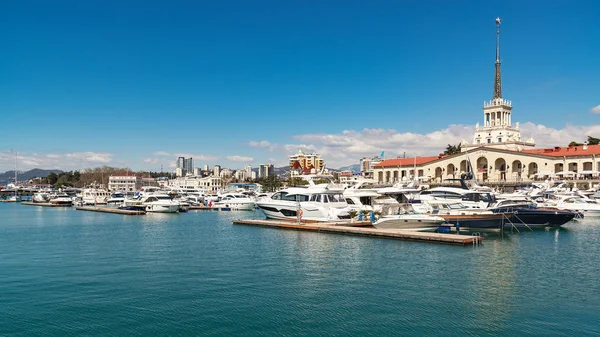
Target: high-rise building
217,170
225,173
265,170
186,165
241,175
206,168
367,164
248,169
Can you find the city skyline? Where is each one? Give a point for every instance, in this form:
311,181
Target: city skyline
347,81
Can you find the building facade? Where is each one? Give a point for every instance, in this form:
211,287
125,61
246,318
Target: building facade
129,184
367,165
303,163
265,170
184,166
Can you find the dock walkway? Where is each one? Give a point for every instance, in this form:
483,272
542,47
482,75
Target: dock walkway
352,229
109,210
44,204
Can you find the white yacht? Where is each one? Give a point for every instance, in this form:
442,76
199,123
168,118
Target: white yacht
60,199
363,197
312,204
157,203
408,219
117,198
469,198
94,196
578,204
236,202
41,197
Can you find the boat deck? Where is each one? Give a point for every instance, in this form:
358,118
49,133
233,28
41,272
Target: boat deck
359,229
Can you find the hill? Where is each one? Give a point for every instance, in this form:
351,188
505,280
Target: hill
354,168
9,176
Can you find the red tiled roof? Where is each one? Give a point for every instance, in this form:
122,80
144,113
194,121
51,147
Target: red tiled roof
567,151
406,161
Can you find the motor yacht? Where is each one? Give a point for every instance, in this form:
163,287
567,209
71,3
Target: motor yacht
157,203
311,204
458,215
578,204
94,196
40,197
526,213
408,219
61,199
235,202
363,197
117,198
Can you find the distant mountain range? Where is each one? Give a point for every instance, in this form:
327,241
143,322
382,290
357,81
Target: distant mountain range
9,176
354,168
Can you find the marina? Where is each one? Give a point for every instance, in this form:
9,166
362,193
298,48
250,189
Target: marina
302,170
361,230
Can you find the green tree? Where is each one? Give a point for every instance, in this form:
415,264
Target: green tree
52,178
574,143
452,149
593,141
63,180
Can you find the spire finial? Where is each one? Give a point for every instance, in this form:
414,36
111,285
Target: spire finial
497,77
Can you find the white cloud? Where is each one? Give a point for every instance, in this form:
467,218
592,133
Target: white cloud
91,157
64,161
162,153
596,109
262,144
349,146
195,156
240,158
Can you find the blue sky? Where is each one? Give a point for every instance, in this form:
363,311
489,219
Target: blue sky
136,83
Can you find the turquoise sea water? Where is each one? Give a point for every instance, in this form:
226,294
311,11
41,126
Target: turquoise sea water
67,272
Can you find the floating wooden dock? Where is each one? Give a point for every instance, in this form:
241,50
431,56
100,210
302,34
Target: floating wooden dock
352,229
109,210
44,204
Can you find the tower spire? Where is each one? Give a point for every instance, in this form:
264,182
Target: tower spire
497,77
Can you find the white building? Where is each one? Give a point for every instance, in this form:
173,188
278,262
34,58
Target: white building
241,175
225,173
209,184
129,183
217,171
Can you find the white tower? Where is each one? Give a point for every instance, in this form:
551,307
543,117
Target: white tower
497,130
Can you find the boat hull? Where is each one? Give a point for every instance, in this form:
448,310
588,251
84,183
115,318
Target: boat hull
235,206
400,222
479,221
283,213
162,208
537,217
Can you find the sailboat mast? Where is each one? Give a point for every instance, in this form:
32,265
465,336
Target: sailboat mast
16,155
